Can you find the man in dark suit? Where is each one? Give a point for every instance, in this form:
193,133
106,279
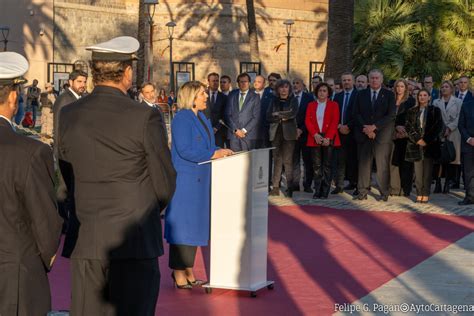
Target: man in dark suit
346,154
29,223
115,160
466,127
148,91
215,110
428,84
464,94
265,101
243,116
301,150
374,120
77,87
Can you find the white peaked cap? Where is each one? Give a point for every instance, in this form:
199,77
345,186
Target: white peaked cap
12,68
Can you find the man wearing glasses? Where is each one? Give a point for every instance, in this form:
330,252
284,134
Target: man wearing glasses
428,84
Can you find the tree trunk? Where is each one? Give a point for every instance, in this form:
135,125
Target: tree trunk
142,38
340,29
253,34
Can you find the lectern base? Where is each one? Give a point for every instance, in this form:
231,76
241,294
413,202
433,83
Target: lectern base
253,289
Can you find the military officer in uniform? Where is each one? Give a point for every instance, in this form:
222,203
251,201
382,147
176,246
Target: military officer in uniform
29,222
115,160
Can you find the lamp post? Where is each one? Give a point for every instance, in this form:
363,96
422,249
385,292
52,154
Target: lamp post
171,25
150,8
288,24
5,32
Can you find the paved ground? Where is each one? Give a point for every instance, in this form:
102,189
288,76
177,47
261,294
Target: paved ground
439,203
437,286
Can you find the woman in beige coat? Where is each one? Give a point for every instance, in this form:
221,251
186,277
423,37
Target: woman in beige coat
450,107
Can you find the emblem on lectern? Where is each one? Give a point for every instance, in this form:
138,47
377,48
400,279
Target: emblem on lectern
260,173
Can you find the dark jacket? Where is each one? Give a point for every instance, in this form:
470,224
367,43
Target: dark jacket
30,225
215,112
430,134
65,98
114,158
466,126
382,115
401,143
284,115
306,98
248,117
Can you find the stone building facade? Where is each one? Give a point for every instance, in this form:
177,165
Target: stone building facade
212,34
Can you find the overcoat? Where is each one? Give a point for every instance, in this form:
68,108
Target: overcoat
30,225
187,216
430,134
450,114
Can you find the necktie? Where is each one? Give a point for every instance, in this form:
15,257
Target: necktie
461,96
374,99
241,100
344,106
214,97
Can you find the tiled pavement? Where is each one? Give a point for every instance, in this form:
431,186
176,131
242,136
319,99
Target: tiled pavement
439,203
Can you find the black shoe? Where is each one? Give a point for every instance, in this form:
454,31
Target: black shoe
289,192
356,192
466,201
383,198
446,187
456,186
274,192
197,282
186,286
308,190
323,197
437,186
337,190
350,187
360,197
316,195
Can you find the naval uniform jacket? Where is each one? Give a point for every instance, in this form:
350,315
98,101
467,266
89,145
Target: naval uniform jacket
114,158
30,225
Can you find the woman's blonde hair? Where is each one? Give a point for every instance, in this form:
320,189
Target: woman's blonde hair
450,84
405,83
188,93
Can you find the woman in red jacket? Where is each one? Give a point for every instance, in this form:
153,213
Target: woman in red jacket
322,119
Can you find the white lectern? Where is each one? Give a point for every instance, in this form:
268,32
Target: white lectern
239,222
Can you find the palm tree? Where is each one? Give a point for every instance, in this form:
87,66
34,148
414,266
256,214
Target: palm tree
252,28
340,27
413,38
142,38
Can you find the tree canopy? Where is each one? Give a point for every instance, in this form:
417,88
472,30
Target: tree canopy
413,38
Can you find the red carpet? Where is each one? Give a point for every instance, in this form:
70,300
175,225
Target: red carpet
317,257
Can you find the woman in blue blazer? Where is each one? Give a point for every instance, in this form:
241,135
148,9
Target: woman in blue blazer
187,216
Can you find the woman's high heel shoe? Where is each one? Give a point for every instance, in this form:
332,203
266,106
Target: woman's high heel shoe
186,286
197,282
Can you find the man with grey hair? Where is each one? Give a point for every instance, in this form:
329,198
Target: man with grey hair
361,82
374,117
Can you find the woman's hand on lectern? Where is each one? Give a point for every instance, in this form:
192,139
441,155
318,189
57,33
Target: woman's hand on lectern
222,153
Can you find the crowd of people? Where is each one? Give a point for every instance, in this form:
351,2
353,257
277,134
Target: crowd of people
335,131
117,172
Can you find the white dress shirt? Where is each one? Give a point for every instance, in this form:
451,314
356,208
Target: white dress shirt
75,94
320,114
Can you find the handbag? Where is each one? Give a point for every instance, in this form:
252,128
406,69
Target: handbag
448,152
